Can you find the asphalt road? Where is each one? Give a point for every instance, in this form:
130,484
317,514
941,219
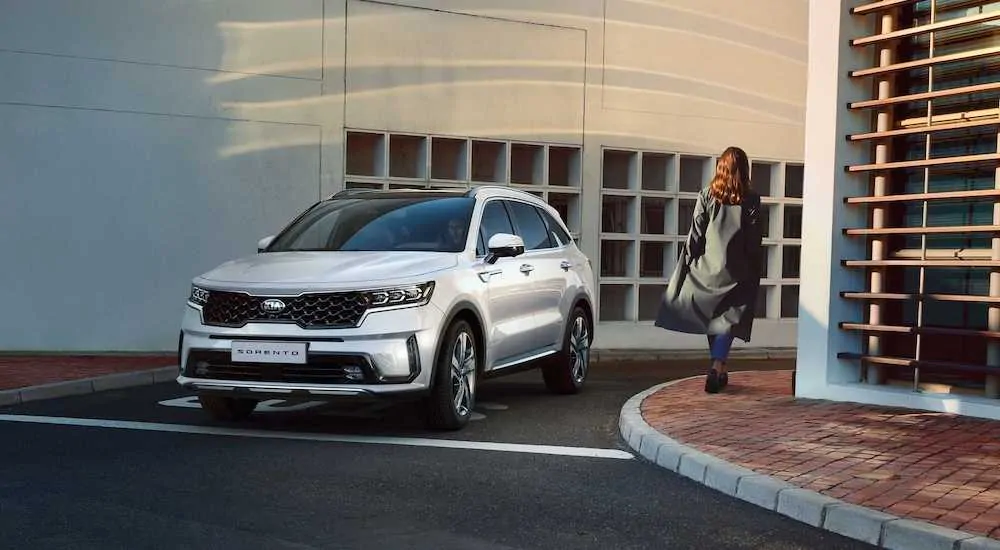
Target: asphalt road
143,468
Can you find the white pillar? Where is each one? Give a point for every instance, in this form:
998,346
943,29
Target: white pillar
827,152
993,347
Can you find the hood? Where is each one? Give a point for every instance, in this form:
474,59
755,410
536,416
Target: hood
329,268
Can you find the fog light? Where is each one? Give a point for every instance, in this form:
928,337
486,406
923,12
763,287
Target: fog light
354,372
201,368
413,354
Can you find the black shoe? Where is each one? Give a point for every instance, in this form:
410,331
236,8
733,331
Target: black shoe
712,381
723,380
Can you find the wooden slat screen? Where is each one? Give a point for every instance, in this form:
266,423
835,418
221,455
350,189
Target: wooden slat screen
921,330
921,297
942,195
971,55
938,230
926,95
933,235
935,263
879,6
933,27
925,129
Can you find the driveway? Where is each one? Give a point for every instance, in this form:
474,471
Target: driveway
145,468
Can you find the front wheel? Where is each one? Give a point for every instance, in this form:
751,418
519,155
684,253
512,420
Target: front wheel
228,409
453,393
567,371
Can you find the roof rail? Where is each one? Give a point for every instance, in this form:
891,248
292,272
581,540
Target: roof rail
475,188
349,192
361,191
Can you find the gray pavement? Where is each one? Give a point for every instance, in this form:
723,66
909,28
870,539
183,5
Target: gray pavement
141,474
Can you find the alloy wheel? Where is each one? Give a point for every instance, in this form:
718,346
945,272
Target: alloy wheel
579,350
463,373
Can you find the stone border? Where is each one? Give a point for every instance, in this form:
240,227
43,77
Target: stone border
608,355
84,386
834,515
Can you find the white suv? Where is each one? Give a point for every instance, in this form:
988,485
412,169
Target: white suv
373,294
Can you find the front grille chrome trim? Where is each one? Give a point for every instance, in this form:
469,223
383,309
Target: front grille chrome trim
310,310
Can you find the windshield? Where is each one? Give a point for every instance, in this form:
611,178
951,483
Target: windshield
435,224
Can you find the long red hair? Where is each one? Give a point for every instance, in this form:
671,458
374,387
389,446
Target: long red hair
732,177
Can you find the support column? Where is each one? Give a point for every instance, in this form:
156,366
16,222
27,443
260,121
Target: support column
828,120
876,373
993,346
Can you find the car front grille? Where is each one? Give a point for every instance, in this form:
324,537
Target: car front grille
310,311
320,369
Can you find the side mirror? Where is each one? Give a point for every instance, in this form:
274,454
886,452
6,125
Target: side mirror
504,245
264,243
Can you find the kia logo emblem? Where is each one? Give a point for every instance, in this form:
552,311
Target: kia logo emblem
272,306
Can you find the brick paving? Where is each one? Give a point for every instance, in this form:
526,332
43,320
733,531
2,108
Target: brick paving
19,371
935,467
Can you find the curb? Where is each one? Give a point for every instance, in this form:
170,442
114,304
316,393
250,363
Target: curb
850,520
85,386
610,355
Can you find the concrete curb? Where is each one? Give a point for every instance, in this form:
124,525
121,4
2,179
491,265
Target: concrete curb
87,385
827,513
608,355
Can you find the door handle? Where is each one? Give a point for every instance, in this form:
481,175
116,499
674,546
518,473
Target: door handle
526,268
565,265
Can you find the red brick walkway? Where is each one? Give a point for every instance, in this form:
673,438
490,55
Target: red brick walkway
23,371
926,466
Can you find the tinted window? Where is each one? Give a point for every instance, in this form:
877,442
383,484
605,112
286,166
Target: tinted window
530,226
558,235
381,224
495,220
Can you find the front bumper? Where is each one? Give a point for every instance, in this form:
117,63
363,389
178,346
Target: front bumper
391,353
296,391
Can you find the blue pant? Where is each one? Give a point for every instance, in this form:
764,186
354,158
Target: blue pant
719,345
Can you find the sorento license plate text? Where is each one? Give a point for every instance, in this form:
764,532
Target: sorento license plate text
269,352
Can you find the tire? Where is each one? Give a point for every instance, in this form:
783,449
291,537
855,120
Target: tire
453,391
228,409
567,371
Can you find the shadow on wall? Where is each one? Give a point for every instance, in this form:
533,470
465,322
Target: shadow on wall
204,126
419,70
119,193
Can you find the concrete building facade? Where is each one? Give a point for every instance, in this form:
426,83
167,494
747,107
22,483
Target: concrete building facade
143,142
901,256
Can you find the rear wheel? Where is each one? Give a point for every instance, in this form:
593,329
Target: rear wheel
453,393
567,371
229,409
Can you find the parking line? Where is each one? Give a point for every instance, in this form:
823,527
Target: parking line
587,452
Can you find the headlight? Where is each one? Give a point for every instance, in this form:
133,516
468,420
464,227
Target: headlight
411,295
198,295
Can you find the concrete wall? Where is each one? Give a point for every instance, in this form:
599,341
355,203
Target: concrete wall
125,169
143,142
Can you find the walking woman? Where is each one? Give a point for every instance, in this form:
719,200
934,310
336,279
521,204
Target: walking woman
713,290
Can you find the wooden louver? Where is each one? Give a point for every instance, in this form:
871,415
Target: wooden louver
933,199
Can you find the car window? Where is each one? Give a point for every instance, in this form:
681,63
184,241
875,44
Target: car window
558,235
437,224
530,226
495,220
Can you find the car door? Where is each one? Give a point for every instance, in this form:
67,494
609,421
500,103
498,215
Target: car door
546,281
573,267
510,335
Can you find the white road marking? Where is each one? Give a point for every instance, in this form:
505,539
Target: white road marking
271,405
587,452
275,406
